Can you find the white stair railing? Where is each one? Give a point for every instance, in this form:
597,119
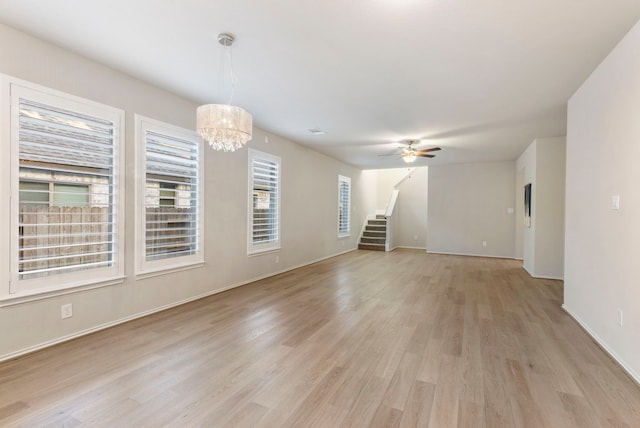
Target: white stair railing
388,243
391,210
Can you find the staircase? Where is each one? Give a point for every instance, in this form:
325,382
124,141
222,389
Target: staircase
374,236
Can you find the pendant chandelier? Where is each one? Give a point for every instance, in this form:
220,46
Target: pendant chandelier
224,126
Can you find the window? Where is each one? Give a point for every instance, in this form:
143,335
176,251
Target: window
264,202
344,206
66,211
168,197
54,194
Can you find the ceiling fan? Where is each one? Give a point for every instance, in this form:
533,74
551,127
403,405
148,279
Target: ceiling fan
410,153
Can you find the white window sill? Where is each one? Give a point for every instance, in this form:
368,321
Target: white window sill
34,295
169,270
260,252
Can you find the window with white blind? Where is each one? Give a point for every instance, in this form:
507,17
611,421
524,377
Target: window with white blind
66,206
344,206
264,202
169,199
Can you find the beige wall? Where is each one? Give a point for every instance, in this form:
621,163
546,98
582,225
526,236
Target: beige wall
309,204
412,210
602,245
386,179
550,180
543,165
519,216
409,221
467,204
526,168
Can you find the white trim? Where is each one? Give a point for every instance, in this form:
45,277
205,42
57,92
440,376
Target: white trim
344,179
18,299
144,268
470,255
635,376
5,188
555,278
160,272
253,249
527,271
12,90
392,203
402,180
402,247
75,335
409,248
263,252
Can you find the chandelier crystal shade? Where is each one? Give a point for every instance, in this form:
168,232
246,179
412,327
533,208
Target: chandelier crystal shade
224,126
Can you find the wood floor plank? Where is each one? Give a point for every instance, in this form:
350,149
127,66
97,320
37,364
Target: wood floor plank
524,410
470,415
417,411
400,385
386,417
444,412
368,338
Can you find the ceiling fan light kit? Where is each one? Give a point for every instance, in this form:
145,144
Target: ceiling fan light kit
409,156
410,153
224,126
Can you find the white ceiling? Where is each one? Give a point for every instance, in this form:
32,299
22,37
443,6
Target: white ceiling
479,78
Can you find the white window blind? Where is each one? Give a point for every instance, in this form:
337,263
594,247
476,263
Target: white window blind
264,202
169,196
171,216
344,205
67,211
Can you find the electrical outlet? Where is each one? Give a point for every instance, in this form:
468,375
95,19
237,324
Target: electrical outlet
620,317
277,259
615,202
66,311
415,237
484,243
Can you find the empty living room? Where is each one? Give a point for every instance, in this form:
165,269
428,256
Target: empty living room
411,213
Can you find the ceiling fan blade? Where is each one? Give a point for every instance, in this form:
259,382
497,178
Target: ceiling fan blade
423,155
433,149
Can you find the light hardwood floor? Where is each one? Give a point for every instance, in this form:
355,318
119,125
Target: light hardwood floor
365,339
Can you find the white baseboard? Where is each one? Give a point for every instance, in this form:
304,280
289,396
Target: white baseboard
410,248
604,346
109,324
542,276
555,278
527,270
469,255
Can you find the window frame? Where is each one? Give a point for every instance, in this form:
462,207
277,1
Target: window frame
270,246
143,267
347,233
13,288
